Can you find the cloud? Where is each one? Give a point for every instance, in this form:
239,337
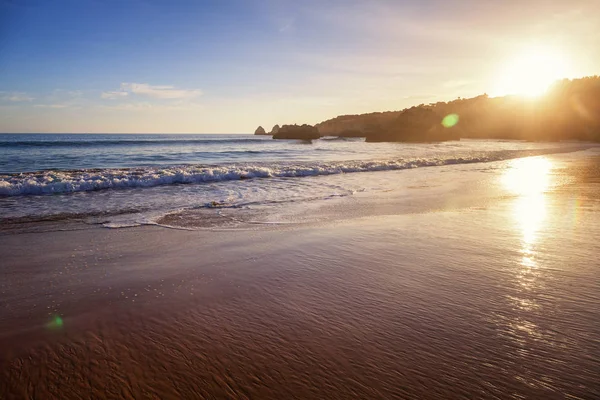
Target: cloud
129,106
286,24
113,95
145,106
15,97
69,93
158,92
61,98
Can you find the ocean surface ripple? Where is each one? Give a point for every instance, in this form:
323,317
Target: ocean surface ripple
63,176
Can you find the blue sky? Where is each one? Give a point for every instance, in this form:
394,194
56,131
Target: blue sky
228,66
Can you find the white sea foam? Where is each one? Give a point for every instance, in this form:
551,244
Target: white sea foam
57,182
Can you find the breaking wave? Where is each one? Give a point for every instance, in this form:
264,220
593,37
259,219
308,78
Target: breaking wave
57,182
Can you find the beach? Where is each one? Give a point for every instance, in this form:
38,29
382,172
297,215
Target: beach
300,200
463,280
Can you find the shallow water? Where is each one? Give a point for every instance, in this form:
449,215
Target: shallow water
127,180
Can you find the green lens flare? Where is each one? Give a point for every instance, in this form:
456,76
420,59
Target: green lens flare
56,322
450,120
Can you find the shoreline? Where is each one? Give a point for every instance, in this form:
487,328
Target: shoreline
245,216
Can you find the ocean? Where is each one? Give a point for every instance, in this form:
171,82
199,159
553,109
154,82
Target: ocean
136,179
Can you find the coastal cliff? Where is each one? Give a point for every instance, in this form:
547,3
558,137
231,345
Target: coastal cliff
350,125
569,110
417,124
301,132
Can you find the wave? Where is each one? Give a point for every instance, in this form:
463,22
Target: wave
58,182
123,142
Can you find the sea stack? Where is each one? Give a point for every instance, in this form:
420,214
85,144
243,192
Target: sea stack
274,130
300,132
260,131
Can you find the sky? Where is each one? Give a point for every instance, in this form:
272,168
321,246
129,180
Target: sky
227,66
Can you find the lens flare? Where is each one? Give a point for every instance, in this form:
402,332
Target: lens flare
531,72
55,323
450,120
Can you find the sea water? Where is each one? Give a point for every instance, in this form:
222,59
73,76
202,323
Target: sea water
136,178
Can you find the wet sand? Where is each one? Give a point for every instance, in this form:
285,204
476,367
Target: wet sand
484,286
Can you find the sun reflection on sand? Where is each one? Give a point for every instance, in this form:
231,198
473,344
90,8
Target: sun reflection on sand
528,176
530,213
528,179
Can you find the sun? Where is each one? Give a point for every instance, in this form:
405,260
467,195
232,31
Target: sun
531,72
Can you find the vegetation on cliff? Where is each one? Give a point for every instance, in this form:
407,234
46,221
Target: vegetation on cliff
570,110
416,124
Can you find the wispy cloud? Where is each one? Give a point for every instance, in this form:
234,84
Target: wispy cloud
61,98
146,106
156,92
15,97
73,94
129,106
113,95
286,24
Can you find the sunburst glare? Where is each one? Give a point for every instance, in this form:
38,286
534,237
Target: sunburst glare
528,176
532,72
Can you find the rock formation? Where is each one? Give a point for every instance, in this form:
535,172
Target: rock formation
416,124
570,110
301,132
350,125
274,130
260,131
